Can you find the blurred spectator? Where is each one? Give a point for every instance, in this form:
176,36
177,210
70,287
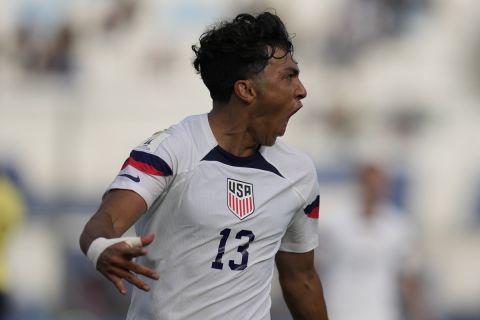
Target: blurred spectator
365,22
11,214
36,23
368,259
27,50
120,14
52,54
58,57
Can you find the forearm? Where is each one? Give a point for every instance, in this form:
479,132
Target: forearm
304,297
118,212
100,225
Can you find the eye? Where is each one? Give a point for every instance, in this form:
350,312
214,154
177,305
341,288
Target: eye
290,75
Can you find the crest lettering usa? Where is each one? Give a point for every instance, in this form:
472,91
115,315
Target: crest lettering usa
240,198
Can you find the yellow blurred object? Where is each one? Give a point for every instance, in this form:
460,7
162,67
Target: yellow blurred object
12,210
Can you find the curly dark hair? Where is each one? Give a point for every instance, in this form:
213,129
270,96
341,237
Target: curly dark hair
239,49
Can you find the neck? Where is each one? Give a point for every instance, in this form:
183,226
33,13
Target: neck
369,205
230,126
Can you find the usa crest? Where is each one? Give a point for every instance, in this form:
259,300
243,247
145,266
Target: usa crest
240,198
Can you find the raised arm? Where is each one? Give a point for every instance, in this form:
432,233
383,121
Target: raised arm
301,286
119,210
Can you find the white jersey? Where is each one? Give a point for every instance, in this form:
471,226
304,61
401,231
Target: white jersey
363,259
219,220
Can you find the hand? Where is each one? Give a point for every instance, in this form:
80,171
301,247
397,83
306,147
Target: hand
116,264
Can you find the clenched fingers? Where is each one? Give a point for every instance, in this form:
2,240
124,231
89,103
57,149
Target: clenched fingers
130,277
127,264
133,252
117,281
117,275
130,265
141,269
117,265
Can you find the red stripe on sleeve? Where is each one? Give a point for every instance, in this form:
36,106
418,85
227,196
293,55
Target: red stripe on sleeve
145,168
314,213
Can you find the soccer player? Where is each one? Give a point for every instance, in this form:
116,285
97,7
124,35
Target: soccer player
216,199
370,258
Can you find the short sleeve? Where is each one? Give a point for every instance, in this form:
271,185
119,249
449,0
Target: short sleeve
302,232
149,169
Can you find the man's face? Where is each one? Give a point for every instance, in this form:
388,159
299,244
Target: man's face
373,183
279,94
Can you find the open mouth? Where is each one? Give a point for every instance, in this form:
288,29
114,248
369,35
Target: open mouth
293,112
296,110
285,124
288,118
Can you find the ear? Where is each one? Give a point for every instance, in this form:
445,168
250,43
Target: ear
245,90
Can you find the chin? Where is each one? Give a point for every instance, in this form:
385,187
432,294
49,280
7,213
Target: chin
270,142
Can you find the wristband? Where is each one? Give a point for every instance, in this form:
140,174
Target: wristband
100,244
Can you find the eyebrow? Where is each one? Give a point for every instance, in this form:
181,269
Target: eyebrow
294,70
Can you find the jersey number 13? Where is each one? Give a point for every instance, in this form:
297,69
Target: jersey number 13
225,233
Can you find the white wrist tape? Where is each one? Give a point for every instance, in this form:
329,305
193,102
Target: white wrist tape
100,244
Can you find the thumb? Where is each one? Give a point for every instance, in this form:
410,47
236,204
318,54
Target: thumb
147,239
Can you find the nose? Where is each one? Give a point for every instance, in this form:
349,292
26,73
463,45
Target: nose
301,92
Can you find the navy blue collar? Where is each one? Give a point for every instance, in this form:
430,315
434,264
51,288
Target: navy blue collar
255,161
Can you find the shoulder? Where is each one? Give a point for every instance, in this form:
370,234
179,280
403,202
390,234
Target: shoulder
293,163
296,167
181,145
178,137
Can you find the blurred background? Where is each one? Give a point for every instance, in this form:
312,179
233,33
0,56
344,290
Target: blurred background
395,83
